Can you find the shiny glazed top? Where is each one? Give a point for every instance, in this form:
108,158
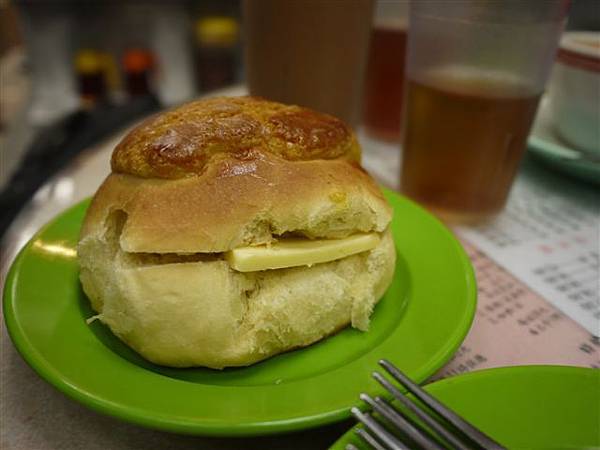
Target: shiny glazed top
180,143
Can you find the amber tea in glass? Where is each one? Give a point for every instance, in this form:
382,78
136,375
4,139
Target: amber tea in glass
465,142
475,73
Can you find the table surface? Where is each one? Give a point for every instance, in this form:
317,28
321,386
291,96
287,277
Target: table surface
36,416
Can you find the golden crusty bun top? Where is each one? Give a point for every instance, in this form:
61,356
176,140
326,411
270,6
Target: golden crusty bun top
216,174
181,142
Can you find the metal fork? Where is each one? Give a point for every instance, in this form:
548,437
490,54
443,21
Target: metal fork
437,427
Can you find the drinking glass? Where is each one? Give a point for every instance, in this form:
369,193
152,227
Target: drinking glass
309,52
475,72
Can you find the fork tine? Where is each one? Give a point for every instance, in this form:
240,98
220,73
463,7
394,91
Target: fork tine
365,436
376,428
418,436
469,430
425,417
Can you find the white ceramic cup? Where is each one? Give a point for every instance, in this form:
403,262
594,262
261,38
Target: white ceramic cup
574,90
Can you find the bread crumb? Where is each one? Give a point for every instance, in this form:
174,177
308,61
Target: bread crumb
93,318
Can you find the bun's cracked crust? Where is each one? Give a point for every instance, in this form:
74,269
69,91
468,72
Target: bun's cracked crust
181,142
216,174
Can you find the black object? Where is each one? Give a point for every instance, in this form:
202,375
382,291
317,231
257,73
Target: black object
56,145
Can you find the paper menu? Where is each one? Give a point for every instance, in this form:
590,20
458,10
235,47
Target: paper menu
515,326
536,266
549,238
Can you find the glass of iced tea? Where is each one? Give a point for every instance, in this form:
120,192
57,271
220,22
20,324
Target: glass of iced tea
475,72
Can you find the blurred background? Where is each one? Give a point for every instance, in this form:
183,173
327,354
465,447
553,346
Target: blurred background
75,72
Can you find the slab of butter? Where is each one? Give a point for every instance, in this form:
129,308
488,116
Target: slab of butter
298,252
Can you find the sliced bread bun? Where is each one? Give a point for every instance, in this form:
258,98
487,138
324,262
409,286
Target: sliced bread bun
211,176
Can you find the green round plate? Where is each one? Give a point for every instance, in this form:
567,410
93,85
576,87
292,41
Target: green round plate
419,323
565,160
526,407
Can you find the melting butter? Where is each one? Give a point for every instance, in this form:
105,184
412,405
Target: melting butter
298,252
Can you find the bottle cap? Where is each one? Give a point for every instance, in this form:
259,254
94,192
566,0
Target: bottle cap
137,60
217,31
88,62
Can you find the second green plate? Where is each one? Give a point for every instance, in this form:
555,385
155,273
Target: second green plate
525,407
